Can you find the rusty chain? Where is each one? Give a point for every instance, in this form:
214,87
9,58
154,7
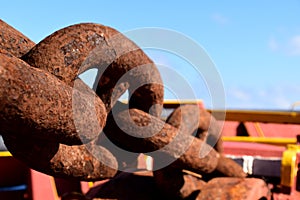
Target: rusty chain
56,124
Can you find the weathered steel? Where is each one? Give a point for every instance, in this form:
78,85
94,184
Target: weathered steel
235,189
226,167
193,120
35,103
141,185
45,107
74,49
124,186
81,162
126,160
192,186
176,184
13,41
197,121
136,131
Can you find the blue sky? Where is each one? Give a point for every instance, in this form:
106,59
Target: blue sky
255,44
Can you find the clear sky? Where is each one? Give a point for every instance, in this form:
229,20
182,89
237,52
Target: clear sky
254,44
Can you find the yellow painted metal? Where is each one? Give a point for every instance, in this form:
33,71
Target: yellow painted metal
267,116
186,101
265,140
5,154
259,129
91,184
289,166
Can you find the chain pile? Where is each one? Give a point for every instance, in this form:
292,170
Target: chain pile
56,124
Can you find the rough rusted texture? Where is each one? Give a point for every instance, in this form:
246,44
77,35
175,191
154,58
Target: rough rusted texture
192,186
137,131
141,185
191,118
127,186
228,167
74,49
36,103
126,160
13,41
194,120
45,105
234,189
169,181
175,184
81,162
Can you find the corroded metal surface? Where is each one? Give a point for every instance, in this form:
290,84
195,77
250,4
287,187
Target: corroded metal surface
45,107
134,186
35,103
176,184
194,120
229,168
197,121
144,133
65,54
191,187
234,189
142,185
37,115
81,162
74,49
13,41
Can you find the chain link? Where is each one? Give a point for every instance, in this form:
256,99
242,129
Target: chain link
55,123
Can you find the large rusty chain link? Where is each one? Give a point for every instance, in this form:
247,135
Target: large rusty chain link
55,123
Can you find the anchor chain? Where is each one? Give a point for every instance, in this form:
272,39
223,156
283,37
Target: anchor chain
52,121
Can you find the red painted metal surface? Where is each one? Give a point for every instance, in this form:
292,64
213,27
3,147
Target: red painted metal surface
257,129
268,130
252,149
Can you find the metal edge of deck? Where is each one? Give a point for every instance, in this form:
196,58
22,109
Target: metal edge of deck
266,116
5,154
280,141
